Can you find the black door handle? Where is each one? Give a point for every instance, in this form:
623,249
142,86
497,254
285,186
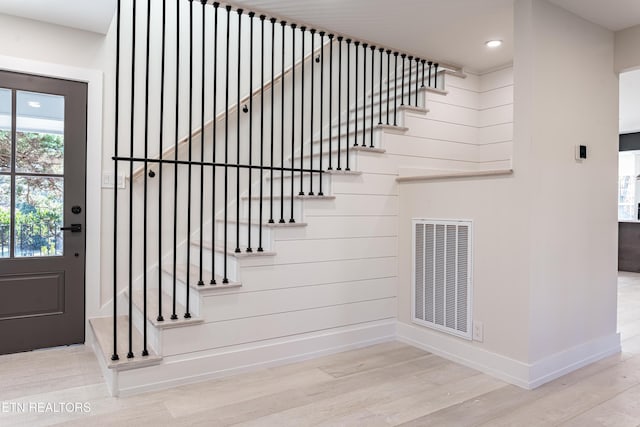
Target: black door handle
74,228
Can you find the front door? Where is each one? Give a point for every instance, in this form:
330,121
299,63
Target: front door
42,195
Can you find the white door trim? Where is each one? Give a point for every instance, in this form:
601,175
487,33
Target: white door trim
93,78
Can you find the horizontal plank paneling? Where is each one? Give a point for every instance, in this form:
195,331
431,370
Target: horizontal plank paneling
495,79
348,204
294,251
497,133
365,183
267,277
342,226
394,161
425,147
429,128
253,329
495,116
491,152
496,97
456,96
450,113
248,304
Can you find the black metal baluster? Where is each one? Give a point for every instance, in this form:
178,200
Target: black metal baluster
282,221
203,75
174,315
114,355
273,88
339,101
237,250
260,224
373,61
250,169
364,94
225,279
145,351
430,64
160,318
417,70
435,78
402,83
187,314
132,136
395,88
410,58
301,192
311,193
355,131
215,120
380,89
348,95
322,33
388,82
423,61
293,113
330,98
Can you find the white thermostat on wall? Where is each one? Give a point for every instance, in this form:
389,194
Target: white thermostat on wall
581,152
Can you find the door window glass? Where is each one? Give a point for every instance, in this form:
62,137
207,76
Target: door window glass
5,130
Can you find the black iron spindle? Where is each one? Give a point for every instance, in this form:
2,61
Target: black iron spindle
215,120
273,88
187,314
322,33
313,39
395,88
132,137
373,62
430,64
348,95
293,113
301,191
339,101
364,94
388,81
260,214
422,62
381,50
202,104
145,351
435,77
250,170
282,221
237,250
225,279
174,315
402,83
355,131
114,355
417,70
160,318
410,58
330,99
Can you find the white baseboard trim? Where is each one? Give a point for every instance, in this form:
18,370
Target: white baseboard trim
569,360
525,375
191,368
464,352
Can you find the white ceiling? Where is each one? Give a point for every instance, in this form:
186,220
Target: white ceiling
89,15
452,31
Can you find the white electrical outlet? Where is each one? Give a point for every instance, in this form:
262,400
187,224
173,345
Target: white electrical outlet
478,331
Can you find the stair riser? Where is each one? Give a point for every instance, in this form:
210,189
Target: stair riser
232,262
244,233
167,287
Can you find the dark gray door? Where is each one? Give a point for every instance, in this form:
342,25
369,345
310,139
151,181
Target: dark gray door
42,192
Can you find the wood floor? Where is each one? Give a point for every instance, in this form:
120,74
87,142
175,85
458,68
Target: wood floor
387,384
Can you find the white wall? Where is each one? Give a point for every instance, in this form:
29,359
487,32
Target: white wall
545,238
627,55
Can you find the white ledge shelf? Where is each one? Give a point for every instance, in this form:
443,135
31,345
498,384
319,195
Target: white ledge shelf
413,175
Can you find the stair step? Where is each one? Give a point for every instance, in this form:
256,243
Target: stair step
278,197
353,148
219,247
267,224
194,272
167,309
103,331
343,172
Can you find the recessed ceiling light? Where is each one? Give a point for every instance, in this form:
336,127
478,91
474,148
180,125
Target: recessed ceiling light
494,43
34,104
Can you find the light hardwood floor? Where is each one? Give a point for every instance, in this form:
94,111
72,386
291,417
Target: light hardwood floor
387,384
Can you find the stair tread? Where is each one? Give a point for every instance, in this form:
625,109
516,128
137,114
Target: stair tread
218,247
278,197
266,224
194,272
103,331
167,309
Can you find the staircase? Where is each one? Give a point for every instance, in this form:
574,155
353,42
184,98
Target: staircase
322,283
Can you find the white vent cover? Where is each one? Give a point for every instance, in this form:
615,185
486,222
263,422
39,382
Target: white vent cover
442,275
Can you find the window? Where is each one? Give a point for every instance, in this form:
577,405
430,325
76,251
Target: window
628,171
